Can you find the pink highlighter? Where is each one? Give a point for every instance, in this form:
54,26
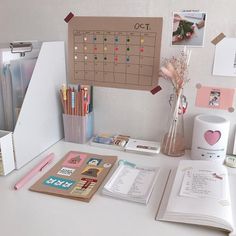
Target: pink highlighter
34,171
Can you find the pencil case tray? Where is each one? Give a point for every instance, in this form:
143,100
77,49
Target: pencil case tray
78,129
7,161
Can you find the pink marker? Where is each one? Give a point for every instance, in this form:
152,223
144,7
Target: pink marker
34,171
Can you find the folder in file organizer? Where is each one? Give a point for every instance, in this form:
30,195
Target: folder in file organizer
31,75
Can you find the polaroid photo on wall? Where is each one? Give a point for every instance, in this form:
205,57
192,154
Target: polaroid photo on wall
188,28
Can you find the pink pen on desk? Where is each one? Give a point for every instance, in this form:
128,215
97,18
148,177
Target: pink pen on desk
34,171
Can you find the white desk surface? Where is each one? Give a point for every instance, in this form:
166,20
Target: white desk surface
26,213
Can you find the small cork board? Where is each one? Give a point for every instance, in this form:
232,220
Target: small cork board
119,52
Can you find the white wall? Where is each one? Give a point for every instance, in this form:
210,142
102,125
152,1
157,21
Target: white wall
137,113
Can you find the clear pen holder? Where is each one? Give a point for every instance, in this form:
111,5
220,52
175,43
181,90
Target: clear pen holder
78,129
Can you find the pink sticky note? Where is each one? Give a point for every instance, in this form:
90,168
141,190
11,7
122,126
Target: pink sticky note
216,98
74,159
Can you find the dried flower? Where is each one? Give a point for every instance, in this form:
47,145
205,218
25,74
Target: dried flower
184,31
175,70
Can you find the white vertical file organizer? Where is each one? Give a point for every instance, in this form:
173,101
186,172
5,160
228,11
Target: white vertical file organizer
39,123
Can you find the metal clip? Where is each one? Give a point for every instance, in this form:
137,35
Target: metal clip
21,47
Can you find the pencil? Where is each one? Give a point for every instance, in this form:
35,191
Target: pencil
64,97
68,101
62,101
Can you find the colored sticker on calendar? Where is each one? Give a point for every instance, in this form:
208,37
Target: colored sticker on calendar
66,171
92,171
60,183
74,160
84,186
94,161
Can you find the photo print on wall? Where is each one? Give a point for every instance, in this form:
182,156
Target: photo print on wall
188,28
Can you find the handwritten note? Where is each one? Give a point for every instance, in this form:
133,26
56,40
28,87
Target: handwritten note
124,180
203,184
131,181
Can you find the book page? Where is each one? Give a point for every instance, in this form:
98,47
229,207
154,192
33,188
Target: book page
194,194
201,183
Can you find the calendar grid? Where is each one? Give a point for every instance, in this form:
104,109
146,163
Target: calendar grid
94,51
108,51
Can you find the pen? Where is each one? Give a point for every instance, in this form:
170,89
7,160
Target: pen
85,98
34,171
73,102
64,97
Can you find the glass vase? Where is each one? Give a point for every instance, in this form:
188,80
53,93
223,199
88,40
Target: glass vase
173,143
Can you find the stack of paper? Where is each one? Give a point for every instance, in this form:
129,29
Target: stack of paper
132,183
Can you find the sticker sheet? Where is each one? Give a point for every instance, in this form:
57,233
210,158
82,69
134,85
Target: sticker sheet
120,52
78,176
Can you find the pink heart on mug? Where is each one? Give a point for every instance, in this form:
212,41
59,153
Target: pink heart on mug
212,137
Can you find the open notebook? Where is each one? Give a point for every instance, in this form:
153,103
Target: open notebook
198,193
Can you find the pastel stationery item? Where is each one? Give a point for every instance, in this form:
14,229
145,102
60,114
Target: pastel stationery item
84,187
78,129
74,160
92,171
75,177
142,146
34,171
230,161
198,193
59,183
216,98
132,182
94,161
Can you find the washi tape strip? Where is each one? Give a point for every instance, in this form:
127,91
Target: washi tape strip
218,38
230,161
69,17
156,89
